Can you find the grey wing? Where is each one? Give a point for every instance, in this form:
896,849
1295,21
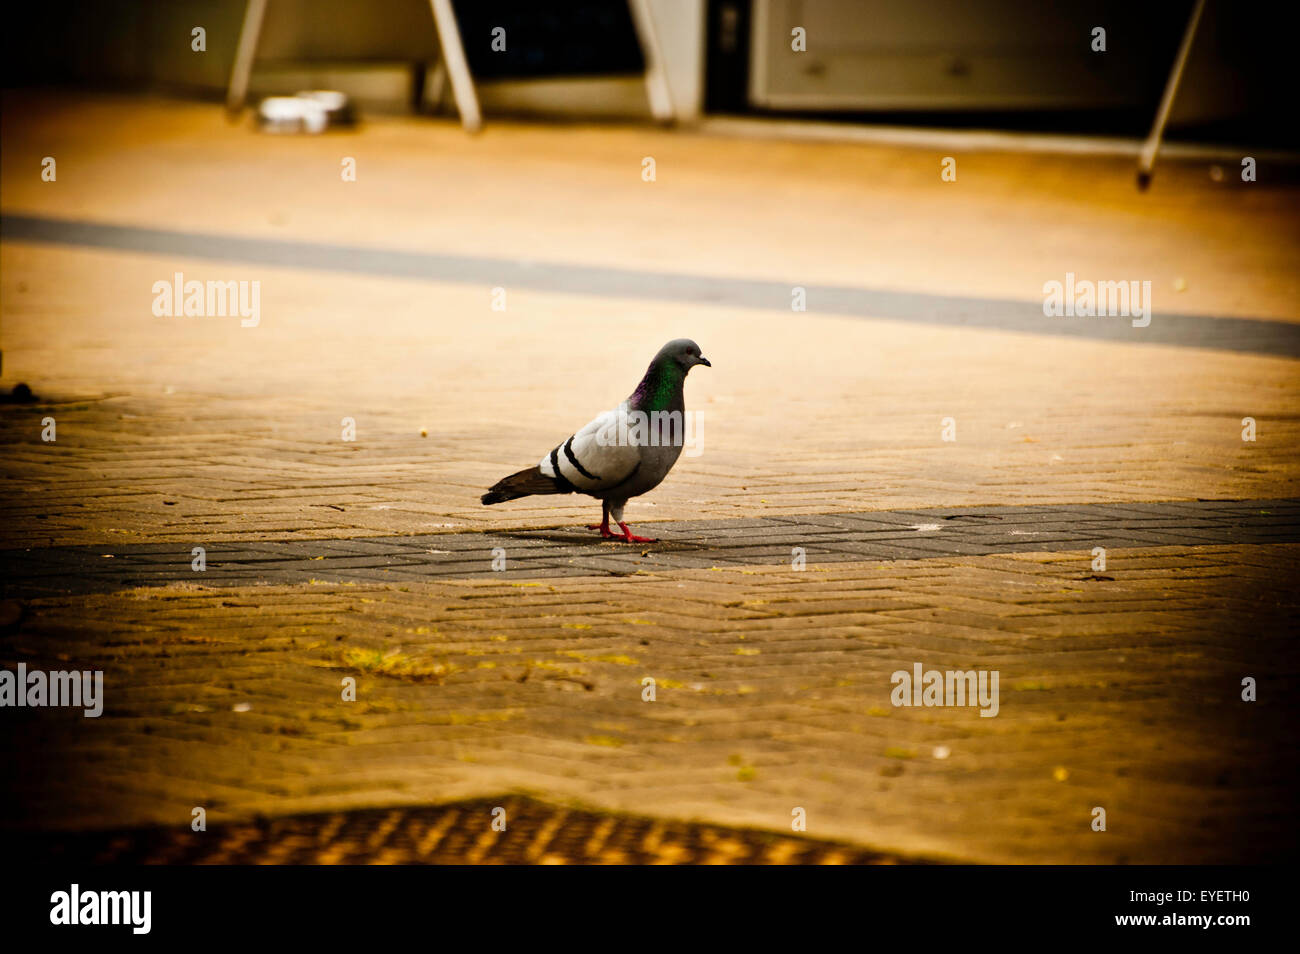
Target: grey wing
597,457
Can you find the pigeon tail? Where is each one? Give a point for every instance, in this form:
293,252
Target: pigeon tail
524,484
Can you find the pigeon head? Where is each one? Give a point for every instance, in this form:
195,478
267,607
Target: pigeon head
684,351
661,388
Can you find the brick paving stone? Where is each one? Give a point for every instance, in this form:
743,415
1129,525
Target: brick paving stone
1008,529
773,691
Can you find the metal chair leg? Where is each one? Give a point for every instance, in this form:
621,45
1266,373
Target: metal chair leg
453,55
1147,156
245,53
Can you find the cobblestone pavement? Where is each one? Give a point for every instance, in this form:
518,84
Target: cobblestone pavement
371,560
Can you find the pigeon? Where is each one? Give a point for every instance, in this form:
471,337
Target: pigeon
624,452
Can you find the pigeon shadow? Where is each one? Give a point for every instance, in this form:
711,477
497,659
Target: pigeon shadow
593,540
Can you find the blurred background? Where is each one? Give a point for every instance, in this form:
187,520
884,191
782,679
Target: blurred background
995,63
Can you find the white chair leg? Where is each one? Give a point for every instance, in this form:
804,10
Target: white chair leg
453,55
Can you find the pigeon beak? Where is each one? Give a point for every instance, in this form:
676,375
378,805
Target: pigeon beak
705,361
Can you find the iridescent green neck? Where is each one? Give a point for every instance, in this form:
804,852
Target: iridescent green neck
660,388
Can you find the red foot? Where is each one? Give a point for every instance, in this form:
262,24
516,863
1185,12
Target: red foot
626,537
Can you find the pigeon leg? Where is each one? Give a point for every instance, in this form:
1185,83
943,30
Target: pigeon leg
603,526
629,538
